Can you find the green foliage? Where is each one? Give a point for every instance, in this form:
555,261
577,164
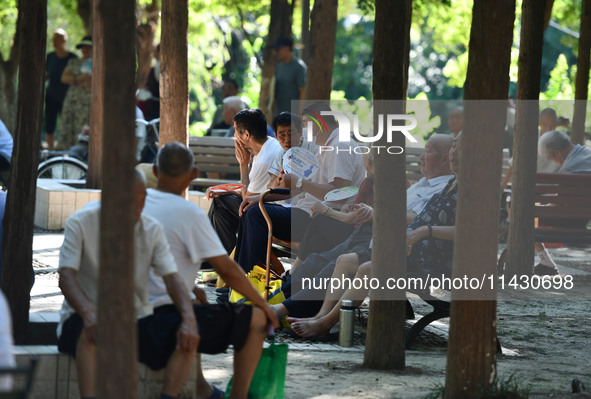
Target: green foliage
8,16
63,14
352,71
561,83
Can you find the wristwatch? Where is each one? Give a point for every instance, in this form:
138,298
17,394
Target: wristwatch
299,183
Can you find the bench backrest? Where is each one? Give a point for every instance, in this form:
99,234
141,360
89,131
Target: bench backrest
413,164
214,154
563,196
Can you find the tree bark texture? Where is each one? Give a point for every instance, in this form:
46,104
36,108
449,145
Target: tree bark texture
520,248
95,144
306,31
174,80
279,26
548,13
116,337
577,135
17,241
323,35
384,348
85,10
471,361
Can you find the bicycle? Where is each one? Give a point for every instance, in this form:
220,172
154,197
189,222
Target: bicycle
73,164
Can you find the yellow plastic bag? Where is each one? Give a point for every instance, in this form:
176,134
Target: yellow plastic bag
257,278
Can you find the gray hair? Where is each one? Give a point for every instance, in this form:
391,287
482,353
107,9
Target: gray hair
553,140
234,103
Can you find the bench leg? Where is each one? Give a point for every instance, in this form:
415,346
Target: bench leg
420,325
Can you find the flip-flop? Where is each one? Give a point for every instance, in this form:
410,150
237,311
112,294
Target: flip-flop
217,393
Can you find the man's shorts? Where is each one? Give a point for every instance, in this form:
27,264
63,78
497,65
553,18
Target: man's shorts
219,327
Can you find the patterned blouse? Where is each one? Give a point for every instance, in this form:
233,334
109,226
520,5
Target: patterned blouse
431,255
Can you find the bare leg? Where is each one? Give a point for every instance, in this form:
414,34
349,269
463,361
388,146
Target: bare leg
176,371
281,310
204,388
50,139
85,366
346,266
247,358
322,325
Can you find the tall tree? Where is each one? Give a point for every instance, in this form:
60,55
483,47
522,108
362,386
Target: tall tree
116,337
279,25
95,144
520,248
471,360
306,31
384,348
582,80
17,241
323,36
174,80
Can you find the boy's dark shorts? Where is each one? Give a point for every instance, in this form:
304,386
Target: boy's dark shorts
219,326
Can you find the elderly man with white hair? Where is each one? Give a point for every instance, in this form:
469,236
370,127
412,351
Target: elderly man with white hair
556,146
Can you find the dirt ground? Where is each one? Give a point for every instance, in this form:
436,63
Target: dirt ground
545,335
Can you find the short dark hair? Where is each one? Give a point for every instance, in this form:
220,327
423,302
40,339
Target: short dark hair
174,159
253,120
287,119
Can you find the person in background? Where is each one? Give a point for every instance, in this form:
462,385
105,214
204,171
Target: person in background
76,109
455,120
230,88
56,90
290,76
149,94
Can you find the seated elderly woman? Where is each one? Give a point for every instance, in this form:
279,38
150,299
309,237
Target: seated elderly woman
429,250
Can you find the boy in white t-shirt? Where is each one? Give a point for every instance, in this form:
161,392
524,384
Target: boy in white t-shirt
251,137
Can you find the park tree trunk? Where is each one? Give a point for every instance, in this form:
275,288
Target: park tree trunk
520,248
116,327
306,31
145,41
8,70
323,36
95,142
279,26
471,359
174,80
85,9
384,347
577,135
548,13
17,242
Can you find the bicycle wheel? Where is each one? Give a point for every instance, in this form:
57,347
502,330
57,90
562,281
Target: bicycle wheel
64,168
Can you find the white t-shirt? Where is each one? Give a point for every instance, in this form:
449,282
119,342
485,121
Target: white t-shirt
6,348
261,163
190,235
6,142
342,162
421,192
80,251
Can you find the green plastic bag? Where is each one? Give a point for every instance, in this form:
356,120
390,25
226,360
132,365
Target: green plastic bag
268,381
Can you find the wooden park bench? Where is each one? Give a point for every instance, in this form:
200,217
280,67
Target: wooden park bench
215,155
560,197
563,197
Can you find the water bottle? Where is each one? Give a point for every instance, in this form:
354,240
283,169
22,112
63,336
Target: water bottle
347,323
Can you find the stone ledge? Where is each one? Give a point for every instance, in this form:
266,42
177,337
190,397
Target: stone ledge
56,378
56,200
